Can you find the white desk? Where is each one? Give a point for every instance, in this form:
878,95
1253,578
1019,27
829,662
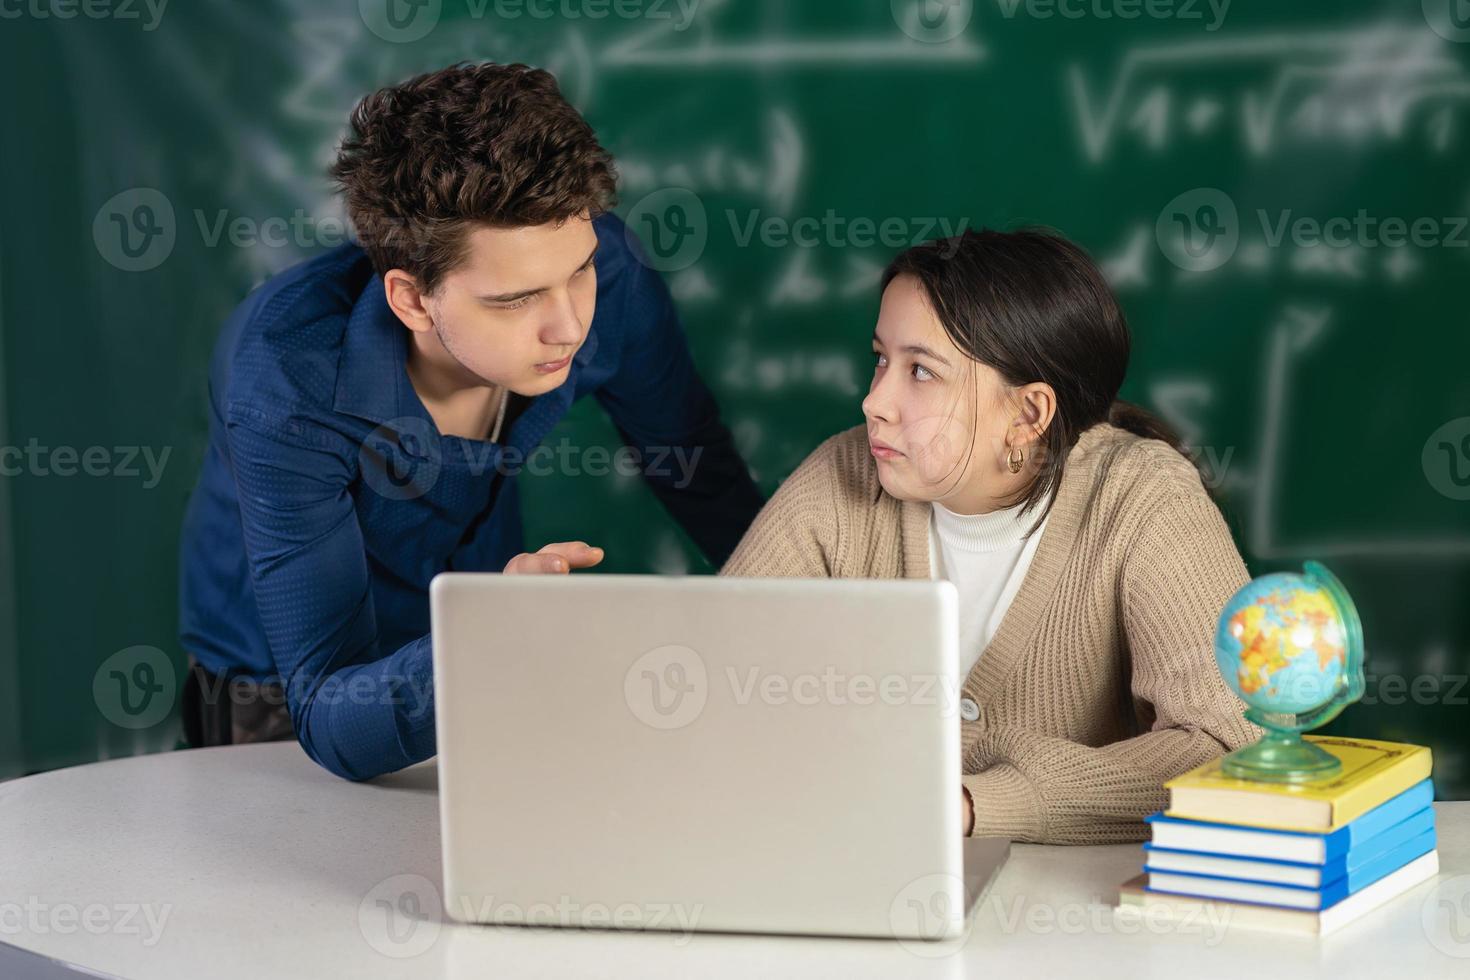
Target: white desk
265,866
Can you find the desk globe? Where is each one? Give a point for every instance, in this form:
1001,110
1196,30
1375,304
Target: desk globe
1290,645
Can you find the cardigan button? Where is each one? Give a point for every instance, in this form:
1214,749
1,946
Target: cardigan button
969,710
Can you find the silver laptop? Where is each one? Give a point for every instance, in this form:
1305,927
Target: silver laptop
742,755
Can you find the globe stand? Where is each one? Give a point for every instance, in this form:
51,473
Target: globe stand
1282,756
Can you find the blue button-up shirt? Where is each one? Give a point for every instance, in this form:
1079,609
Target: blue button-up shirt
328,499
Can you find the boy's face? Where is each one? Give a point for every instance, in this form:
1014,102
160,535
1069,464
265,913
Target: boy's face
519,306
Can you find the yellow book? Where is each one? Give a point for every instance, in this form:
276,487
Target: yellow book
1372,773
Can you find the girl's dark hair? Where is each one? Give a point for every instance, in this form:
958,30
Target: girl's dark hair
1035,307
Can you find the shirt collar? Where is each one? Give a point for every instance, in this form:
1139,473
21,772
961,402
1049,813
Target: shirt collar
999,529
372,376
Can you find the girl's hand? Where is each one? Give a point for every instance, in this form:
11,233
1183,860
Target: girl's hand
555,559
969,820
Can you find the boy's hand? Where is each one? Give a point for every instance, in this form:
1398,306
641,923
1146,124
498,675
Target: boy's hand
555,559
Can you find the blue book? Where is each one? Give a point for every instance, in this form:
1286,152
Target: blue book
1302,847
1292,896
1299,873
1187,911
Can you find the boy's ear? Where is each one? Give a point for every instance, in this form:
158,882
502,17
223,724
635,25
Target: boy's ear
407,301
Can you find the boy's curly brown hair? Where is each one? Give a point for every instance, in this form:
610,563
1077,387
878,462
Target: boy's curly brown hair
430,158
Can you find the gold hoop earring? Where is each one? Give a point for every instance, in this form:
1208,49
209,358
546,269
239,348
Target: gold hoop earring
1015,458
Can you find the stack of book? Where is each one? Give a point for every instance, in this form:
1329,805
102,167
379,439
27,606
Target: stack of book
1307,858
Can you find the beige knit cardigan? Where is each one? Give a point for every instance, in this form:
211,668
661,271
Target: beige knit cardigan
1100,682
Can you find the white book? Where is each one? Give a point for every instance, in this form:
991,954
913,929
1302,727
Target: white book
1134,899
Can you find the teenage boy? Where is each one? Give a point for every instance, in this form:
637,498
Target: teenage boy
370,410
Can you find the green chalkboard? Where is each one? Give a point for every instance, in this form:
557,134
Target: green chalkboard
1324,384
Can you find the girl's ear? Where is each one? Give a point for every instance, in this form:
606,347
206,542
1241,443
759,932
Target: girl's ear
1037,408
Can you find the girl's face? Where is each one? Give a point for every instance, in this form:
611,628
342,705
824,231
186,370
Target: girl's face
938,421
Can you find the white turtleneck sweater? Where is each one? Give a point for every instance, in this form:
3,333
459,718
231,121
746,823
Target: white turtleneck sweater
986,558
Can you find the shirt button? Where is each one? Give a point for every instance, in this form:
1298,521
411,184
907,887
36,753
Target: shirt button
969,710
